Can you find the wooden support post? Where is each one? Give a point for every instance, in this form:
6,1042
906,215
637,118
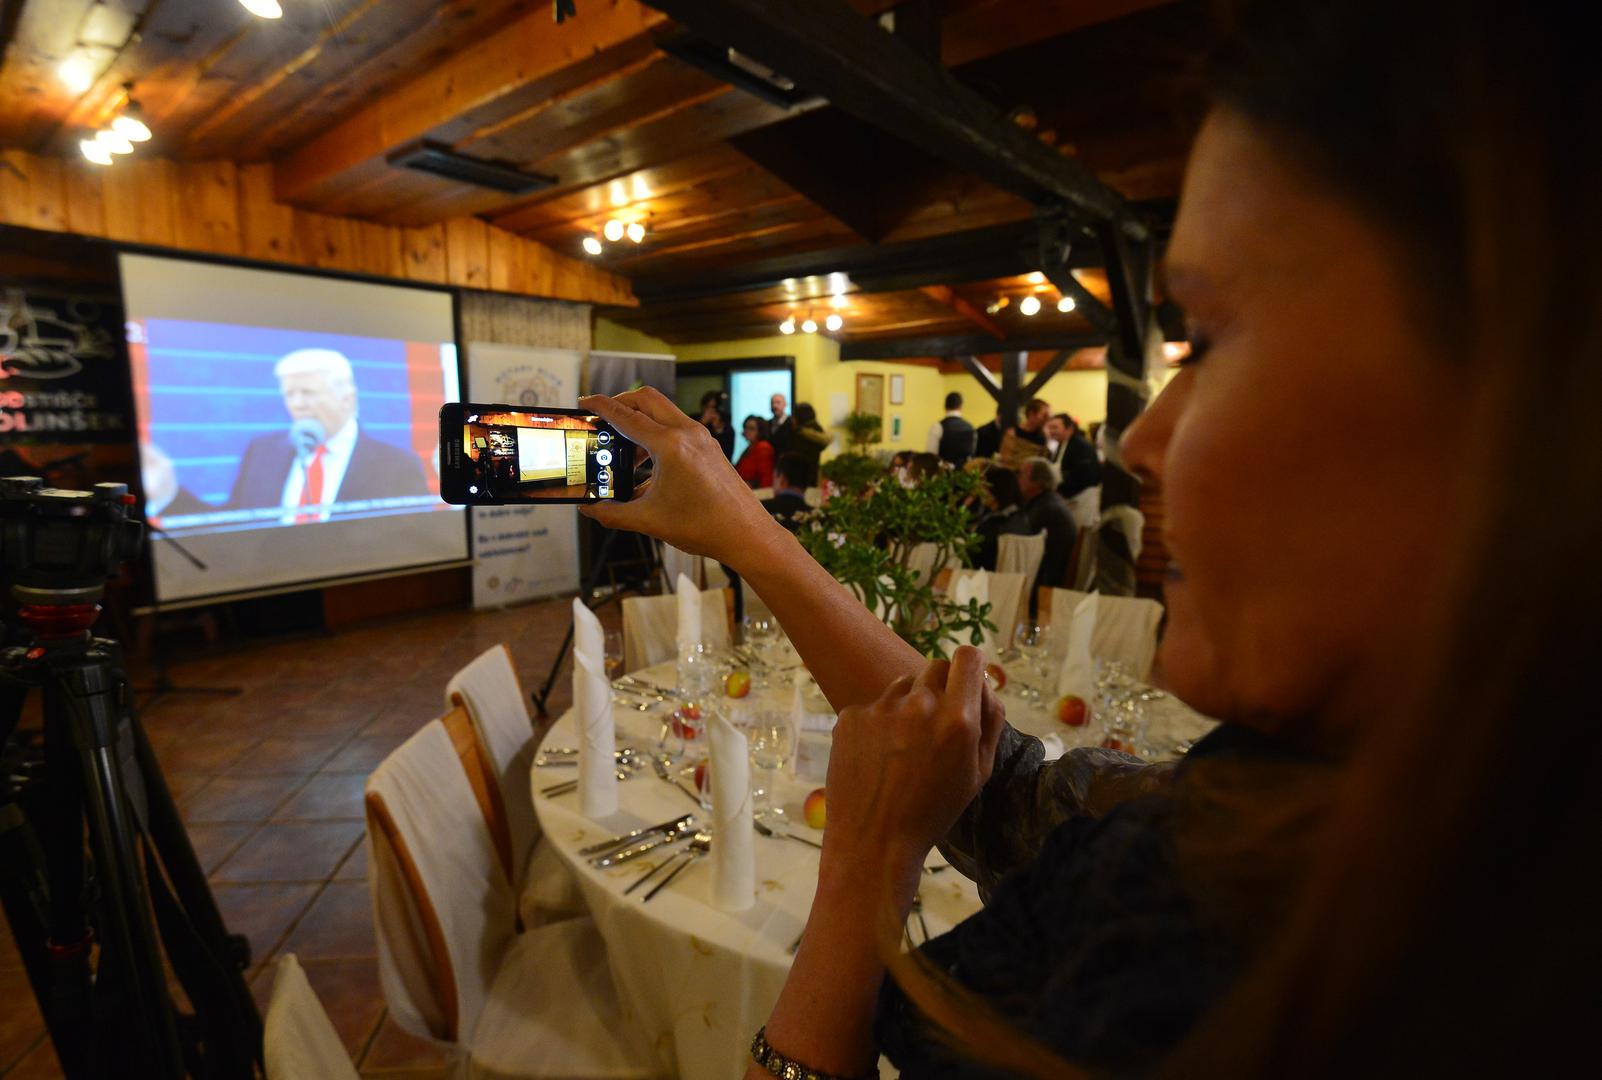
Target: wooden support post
1014,366
1129,274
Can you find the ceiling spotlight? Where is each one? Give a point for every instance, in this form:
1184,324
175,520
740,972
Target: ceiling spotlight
996,305
111,140
787,326
636,231
95,151
1029,305
131,123
1036,278
613,230
834,322
592,245
1065,305
76,73
809,327
263,9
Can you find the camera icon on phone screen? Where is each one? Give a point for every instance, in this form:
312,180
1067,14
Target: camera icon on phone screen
604,457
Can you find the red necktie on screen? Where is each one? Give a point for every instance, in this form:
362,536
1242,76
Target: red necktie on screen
311,492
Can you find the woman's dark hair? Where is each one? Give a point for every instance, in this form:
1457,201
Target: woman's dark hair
1003,485
764,431
804,414
923,464
1441,917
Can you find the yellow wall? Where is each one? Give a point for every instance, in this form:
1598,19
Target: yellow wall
610,337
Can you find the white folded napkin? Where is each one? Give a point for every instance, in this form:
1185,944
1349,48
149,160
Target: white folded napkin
1078,674
592,700
973,586
689,616
733,854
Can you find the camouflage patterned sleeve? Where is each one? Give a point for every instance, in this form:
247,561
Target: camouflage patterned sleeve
1027,797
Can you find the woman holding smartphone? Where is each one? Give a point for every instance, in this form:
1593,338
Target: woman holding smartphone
1380,863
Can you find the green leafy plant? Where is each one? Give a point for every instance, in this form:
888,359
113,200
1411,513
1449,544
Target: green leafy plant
863,429
865,536
852,472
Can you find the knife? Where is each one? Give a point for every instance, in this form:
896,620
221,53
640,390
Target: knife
643,847
618,841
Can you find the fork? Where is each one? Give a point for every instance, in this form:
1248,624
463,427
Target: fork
697,850
658,763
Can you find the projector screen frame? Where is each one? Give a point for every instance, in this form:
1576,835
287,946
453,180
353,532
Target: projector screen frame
147,558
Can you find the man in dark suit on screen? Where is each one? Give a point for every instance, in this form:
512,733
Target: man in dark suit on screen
324,457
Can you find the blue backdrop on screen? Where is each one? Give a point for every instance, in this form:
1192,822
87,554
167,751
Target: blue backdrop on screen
212,389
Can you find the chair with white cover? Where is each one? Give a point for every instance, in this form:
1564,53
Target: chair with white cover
488,688
298,1040
1020,554
454,971
1006,597
676,562
923,562
1126,626
651,624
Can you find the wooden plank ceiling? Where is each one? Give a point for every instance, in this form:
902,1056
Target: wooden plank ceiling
717,175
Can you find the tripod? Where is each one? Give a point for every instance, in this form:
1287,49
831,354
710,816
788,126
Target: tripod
90,920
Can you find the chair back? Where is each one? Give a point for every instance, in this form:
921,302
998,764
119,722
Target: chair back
1020,555
923,561
496,709
299,1041
676,562
1126,626
1007,593
442,906
651,623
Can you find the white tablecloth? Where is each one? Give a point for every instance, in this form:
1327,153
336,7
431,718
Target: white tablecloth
699,981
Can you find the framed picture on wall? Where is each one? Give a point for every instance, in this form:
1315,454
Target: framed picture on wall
898,389
870,394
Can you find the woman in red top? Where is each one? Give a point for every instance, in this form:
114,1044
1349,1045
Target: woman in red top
756,464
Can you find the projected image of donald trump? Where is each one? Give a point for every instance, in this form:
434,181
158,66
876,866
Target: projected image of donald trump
322,456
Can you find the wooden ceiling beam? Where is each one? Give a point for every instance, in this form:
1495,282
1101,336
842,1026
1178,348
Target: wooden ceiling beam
830,49
525,61
963,345
948,296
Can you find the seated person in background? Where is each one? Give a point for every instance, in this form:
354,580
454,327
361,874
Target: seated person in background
1074,457
1028,439
756,464
323,456
952,437
922,465
1001,514
1047,511
807,436
792,475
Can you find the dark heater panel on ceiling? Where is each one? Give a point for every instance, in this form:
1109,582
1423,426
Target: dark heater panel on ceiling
442,161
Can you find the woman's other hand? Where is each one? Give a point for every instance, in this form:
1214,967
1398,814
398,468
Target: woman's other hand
904,768
695,500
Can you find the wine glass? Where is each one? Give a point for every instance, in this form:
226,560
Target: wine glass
758,633
614,654
771,739
1033,642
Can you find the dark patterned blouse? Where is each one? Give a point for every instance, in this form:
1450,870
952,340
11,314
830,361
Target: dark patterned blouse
1088,942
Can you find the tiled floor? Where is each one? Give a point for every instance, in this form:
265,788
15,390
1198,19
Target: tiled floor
270,785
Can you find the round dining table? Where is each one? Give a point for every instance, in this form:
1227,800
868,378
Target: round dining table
697,980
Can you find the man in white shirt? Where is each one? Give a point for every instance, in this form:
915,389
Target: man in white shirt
951,436
325,457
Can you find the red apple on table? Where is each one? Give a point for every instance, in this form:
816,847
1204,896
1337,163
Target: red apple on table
1071,710
738,684
691,710
815,809
997,675
1112,742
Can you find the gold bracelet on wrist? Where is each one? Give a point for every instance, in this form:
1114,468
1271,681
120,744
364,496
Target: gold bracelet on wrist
782,1067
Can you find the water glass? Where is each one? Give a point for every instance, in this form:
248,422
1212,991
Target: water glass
771,739
698,673
758,633
1033,642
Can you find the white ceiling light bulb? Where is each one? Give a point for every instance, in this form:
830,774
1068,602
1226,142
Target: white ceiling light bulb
263,9
613,230
76,73
130,127
1036,278
834,322
1065,305
809,327
636,231
592,245
95,151
787,326
114,142
1029,305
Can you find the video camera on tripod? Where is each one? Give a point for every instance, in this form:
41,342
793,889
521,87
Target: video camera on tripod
91,921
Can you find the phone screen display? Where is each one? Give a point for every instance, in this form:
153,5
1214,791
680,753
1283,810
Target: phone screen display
497,454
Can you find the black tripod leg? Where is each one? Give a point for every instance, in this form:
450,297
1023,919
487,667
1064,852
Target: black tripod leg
86,701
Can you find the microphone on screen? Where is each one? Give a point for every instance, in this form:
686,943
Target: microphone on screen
305,435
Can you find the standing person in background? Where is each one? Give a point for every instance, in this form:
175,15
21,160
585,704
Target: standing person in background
756,463
716,421
807,437
1028,439
1074,457
782,426
952,437
987,440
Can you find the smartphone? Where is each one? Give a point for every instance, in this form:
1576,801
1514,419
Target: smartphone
503,455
